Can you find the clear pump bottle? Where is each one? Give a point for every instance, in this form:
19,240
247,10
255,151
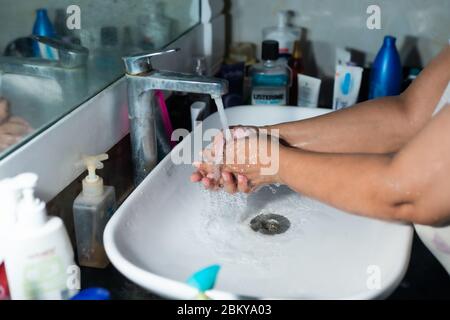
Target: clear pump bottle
92,210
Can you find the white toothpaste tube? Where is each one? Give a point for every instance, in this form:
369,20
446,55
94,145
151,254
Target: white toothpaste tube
308,91
347,83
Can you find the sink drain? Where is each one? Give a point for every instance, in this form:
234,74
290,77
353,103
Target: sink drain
270,224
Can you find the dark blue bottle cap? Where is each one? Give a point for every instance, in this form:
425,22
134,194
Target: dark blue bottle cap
389,40
93,294
270,50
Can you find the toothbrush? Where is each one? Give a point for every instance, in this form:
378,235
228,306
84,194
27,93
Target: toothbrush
204,280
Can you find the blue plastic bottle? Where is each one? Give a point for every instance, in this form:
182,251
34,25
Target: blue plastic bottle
386,75
43,27
93,294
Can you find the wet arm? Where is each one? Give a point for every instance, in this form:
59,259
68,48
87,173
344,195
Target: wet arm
411,186
376,126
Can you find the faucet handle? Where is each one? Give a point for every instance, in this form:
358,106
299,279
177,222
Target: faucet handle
141,62
69,55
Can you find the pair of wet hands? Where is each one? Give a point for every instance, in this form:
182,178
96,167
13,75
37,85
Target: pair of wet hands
12,129
220,167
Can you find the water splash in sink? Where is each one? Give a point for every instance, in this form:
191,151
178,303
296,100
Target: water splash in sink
225,220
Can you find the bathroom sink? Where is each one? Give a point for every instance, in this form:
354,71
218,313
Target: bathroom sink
170,228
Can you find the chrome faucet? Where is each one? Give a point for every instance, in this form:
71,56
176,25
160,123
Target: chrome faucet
68,69
142,80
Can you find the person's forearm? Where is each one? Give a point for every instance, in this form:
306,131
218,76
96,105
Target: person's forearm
376,126
358,184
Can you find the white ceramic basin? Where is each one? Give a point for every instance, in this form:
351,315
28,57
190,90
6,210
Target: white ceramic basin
169,228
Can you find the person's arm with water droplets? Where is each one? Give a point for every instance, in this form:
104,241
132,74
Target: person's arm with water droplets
411,186
377,126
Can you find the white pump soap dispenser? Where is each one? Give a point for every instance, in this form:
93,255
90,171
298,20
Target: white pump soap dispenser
39,253
92,210
9,197
284,33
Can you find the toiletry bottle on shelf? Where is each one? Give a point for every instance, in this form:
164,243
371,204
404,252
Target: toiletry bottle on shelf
284,33
129,45
43,27
181,102
308,91
386,74
39,253
296,65
4,290
98,294
107,58
200,68
413,73
92,210
347,84
154,26
270,79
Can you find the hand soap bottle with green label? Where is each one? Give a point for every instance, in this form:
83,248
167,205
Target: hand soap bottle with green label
92,210
270,79
38,255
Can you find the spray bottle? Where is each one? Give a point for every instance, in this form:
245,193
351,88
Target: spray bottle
92,210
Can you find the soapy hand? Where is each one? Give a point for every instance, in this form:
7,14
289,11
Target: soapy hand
12,129
243,163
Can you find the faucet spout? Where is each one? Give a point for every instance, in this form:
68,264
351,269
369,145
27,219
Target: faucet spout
143,80
182,82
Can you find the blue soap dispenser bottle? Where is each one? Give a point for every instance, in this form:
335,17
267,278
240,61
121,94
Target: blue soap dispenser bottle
386,75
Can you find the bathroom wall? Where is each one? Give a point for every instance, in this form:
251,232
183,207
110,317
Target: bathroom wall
421,26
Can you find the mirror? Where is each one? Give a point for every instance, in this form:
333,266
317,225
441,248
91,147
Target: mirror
77,55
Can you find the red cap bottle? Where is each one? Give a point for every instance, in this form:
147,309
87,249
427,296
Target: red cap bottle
4,291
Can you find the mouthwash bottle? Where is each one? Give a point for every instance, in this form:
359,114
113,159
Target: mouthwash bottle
270,79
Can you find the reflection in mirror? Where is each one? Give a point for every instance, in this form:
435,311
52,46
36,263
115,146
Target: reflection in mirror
55,54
